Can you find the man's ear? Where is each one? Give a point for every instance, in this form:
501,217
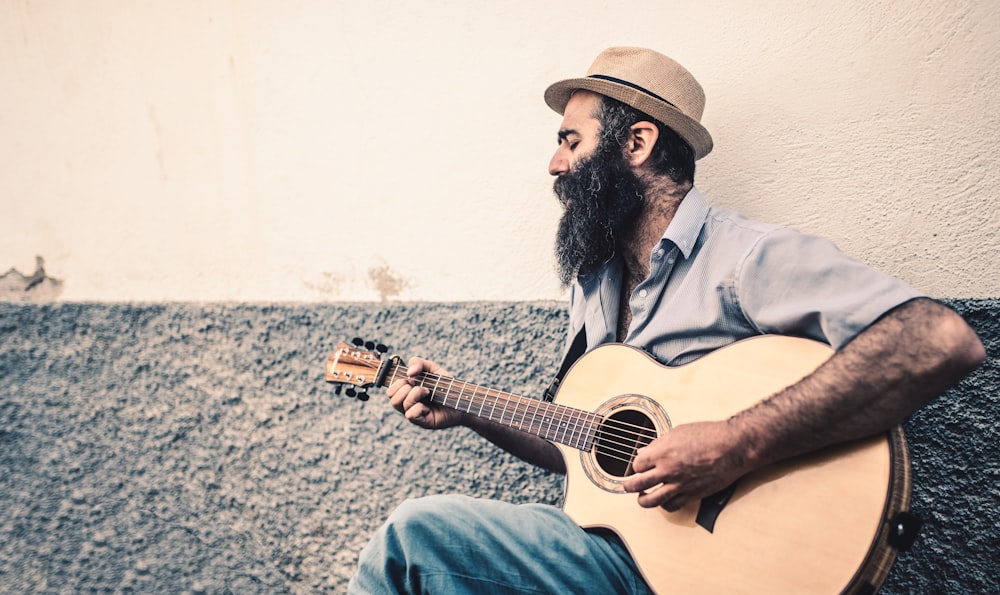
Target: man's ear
642,138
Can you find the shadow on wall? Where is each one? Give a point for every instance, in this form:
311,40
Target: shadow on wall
36,287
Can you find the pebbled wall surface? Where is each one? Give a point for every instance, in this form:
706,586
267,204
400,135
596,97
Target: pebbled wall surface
170,448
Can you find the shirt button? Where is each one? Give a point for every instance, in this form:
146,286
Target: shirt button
643,293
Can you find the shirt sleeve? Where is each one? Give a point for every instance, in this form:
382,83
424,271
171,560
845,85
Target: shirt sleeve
803,285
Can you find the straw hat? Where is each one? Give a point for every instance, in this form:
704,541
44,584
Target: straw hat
651,83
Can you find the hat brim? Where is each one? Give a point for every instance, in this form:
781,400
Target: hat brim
558,94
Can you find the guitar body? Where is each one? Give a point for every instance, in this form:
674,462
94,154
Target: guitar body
814,524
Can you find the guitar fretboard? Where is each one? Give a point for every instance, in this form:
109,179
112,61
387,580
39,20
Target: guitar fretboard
557,423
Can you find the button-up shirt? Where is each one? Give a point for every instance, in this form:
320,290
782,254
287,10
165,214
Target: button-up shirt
717,277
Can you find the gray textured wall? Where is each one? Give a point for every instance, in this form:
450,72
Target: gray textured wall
172,448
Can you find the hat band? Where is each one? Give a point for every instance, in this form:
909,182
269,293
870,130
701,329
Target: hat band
612,79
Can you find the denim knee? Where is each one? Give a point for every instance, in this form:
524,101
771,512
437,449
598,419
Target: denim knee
405,545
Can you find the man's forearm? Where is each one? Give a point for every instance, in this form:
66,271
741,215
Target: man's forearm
522,445
910,356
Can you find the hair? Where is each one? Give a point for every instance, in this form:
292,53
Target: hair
672,156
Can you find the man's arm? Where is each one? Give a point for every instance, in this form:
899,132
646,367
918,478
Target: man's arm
524,446
910,356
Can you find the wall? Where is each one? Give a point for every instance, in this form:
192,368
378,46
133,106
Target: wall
183,448
257,151
214,192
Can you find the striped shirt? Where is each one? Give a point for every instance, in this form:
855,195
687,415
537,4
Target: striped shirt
717,277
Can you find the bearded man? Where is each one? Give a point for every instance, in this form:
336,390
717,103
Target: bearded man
652,265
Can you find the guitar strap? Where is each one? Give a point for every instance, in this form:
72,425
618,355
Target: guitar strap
575,351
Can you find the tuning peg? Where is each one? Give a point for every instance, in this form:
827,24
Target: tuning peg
338,389
358,341
362,396
350,392
381,348
369,345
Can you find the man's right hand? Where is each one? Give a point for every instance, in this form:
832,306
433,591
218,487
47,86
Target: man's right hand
410,399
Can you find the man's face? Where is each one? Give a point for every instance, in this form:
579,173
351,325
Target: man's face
579,133
600,193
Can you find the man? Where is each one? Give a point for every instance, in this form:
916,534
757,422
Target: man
652,265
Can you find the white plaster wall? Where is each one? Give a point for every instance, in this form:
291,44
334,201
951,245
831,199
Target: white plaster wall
308,150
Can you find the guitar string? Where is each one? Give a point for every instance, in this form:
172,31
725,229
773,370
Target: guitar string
600,436
527,403
642,436
518,400
634,436
533,407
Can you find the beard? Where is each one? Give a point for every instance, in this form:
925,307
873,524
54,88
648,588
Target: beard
602,198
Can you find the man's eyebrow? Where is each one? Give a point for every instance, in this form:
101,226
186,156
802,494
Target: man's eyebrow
566,132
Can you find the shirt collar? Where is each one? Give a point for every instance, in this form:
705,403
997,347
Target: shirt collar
683,232
685,227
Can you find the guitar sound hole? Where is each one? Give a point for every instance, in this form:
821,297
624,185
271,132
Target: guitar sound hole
619,437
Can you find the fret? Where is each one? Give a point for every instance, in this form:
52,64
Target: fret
543,411
472,399
534,413
480,400
525,422
560,425
552,423
434,391
577,429
482,403
493,408
545,421
504,412
516,415
560,435
460,396
567,426
592,423
591,427
549,421
393,370
445,392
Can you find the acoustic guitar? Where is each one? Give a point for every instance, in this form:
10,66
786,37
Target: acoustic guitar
828,522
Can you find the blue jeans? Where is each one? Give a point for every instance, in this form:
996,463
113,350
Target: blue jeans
456,544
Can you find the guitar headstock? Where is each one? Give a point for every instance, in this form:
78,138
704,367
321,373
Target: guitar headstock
356,365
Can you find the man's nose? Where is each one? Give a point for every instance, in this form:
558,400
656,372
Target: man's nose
559,164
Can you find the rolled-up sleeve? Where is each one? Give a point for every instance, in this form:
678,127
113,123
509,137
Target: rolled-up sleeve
793,283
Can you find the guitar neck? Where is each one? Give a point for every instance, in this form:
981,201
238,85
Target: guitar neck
557,423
